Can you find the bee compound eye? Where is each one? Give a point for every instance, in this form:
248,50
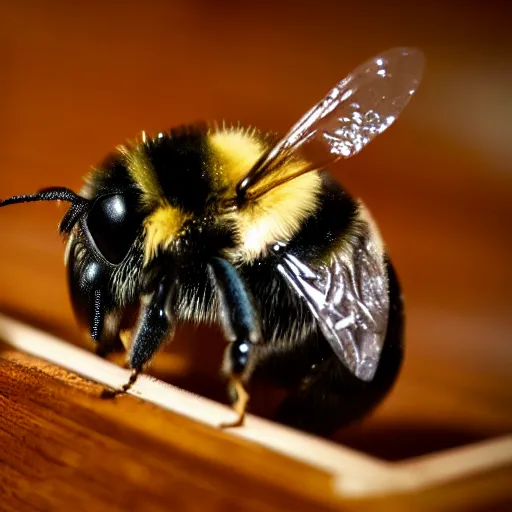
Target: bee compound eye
113,224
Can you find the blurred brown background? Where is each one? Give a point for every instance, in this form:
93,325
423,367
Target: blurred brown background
79,78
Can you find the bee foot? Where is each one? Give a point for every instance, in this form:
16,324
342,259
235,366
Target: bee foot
240,406
112,393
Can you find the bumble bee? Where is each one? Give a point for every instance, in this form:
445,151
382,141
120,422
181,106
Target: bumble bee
226,225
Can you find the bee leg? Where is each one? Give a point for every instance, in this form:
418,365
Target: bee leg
235,363
240,325
153,326
241,400
111,393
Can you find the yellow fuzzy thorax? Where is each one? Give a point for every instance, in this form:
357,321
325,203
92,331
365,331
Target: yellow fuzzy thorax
273,217
278,214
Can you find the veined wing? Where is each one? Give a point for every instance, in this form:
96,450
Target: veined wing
350,116
349,299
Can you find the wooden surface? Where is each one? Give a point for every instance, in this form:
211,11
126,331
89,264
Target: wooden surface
61,444
77,79
353,474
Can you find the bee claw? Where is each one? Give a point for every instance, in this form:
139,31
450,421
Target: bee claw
233,424
240,406
108,394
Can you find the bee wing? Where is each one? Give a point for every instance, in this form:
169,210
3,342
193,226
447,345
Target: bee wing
349,299
352,114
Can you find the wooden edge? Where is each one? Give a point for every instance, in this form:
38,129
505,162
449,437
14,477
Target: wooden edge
354,474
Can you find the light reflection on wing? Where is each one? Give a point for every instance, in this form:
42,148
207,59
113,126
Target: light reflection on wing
349,299
350,116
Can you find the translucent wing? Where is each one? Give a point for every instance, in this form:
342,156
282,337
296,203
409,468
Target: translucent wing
349,299
353,113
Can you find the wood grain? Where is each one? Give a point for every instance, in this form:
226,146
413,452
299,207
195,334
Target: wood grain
61,444
352,474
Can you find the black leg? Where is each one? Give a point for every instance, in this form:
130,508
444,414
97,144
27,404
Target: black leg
242,329
111,393
154,325
97,315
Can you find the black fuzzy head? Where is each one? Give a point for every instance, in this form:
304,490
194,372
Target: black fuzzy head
151,210
164,206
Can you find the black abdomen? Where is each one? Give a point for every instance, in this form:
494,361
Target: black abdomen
324,394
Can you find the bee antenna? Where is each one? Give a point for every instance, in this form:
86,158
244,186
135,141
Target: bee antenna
78,203
47,194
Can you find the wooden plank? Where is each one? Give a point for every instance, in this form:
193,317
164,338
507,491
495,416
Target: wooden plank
60,444
37,399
